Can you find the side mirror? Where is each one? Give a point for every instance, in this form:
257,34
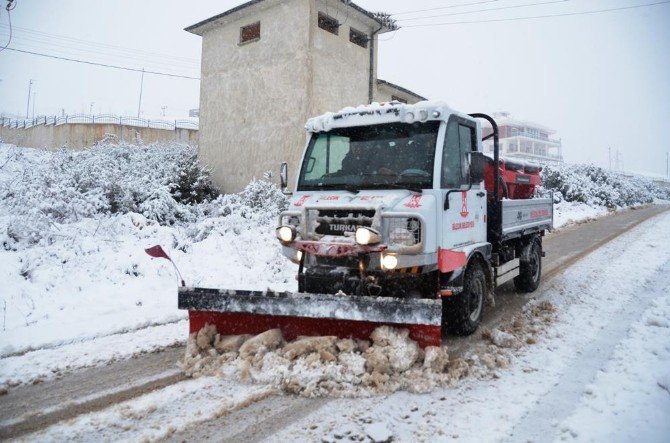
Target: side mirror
283,176
477,163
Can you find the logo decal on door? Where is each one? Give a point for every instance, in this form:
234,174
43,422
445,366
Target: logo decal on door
464,204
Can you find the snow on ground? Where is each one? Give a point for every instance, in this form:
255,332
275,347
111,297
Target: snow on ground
630,395
157,415
568,213
48,362
598,371
74,225
71,281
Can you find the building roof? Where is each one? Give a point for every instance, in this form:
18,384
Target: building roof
199,27
400,88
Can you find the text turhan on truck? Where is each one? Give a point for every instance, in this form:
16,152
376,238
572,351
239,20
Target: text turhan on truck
397,218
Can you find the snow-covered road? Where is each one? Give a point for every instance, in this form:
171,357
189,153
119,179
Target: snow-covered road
599,372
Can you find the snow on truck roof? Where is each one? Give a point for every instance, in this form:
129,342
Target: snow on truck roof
378,113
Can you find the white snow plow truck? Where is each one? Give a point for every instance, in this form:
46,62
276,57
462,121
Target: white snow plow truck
397,218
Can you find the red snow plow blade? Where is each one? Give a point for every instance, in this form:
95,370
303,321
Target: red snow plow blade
297,314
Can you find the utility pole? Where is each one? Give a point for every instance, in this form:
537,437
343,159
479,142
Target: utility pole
139,106
34,94
163,108
30,87
90,108
667,164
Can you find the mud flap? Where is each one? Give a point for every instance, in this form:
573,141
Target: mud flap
296,314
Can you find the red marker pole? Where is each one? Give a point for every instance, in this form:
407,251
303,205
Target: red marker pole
158,252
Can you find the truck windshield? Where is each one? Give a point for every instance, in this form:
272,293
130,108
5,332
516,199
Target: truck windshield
382,156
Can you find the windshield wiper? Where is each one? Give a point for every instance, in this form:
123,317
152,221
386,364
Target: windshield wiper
397,186
352,188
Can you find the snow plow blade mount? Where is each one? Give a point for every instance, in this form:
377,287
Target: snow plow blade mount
297,314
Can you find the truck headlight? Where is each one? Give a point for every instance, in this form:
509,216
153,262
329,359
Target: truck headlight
389,262
367,236
285,233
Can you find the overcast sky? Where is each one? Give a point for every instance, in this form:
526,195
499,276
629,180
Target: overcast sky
601,80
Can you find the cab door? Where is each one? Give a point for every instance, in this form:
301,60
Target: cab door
464,216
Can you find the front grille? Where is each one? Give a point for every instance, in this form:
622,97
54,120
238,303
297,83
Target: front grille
340,221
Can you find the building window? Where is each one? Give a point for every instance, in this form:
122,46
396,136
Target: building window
328,23
395,98
250,33
358,38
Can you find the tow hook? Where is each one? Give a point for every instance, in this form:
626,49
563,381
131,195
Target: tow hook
372,287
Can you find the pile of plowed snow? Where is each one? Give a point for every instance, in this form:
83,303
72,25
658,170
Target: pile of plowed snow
330,366
320,366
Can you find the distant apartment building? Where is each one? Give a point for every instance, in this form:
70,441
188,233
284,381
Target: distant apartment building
269,65
524,139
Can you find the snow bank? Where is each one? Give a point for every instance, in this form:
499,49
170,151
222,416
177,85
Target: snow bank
586,192
598,187
74,225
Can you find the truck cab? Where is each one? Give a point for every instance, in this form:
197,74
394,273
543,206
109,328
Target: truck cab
397,200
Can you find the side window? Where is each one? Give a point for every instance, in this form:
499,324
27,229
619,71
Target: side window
458,142
451,159
467,139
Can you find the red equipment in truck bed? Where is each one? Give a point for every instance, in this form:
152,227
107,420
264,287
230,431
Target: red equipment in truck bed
518,180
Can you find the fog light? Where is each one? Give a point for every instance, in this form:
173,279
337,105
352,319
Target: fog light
285,233
409,117
366,236
389,262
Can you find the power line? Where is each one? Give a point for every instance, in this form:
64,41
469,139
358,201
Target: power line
444,7
65,50
597,11
68,39
105,65
9,9
46,43
486,10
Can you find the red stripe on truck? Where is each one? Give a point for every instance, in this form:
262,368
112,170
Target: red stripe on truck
448,260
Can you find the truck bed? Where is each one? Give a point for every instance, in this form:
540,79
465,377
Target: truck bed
520,217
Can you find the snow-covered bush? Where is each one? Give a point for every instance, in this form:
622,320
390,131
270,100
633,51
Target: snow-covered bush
65,186
596,186
164,182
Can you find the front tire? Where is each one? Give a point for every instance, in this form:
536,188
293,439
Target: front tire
530,268
463,313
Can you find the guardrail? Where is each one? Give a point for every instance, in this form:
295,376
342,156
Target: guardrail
98,119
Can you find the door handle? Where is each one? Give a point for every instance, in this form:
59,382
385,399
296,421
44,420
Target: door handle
481,194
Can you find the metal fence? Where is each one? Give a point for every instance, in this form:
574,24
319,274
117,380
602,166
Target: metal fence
98,119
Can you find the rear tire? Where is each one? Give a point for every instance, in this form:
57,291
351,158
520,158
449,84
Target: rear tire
530,268
463,313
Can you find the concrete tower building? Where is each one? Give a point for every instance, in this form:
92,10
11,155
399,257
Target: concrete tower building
269,65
